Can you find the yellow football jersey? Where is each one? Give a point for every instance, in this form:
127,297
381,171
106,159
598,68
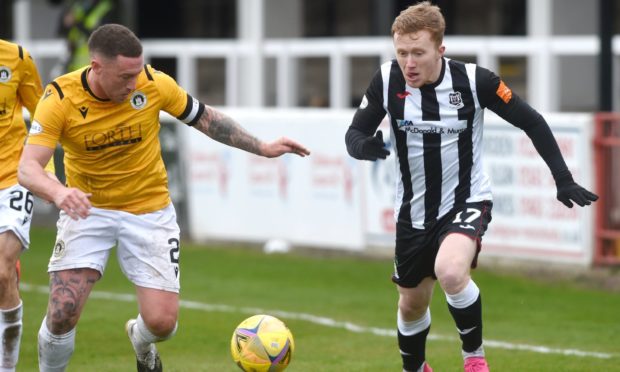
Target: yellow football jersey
20,86
112,150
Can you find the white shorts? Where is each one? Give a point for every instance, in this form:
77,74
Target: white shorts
147,245
16,205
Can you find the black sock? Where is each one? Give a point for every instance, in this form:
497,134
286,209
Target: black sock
469,320
413,349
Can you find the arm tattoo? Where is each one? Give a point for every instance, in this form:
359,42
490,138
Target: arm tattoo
224,129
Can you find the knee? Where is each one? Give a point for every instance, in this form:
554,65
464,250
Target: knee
8,273
452,279
8,279
162,325
412,308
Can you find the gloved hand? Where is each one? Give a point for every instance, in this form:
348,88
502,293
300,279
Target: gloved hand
373,148
569,191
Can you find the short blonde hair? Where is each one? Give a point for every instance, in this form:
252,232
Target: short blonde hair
418,17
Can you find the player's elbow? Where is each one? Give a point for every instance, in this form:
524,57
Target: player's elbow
25,171
22,173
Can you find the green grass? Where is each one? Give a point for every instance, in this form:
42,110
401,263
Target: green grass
347,289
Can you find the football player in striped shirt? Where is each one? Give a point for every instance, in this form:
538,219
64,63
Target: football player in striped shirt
106,117
435,106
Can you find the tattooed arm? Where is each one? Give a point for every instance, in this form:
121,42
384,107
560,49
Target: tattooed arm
226,130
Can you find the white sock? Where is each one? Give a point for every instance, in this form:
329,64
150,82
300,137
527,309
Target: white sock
142,338
461,300
415,326
479,353
464,298
54,350
11,331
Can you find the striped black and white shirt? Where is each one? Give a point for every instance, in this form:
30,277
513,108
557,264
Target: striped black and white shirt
436,132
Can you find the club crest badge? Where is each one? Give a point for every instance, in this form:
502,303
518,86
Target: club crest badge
137,100
5,74
59,250
456,100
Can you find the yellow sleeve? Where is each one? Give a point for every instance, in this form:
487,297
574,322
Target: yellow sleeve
176,101
49,119
50,166
30,89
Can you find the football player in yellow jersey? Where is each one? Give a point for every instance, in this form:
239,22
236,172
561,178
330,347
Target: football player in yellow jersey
106,118
20,86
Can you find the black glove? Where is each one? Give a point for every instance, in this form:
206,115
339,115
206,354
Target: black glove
373,148
569,191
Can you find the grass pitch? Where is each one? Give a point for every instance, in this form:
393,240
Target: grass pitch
341,311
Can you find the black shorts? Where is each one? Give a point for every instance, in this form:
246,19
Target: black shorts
416,249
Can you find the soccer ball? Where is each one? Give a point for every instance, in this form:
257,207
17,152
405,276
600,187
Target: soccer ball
262,343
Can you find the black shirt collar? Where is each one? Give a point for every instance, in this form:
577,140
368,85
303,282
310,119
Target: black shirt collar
87,87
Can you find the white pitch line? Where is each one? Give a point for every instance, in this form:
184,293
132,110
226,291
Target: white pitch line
328,322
